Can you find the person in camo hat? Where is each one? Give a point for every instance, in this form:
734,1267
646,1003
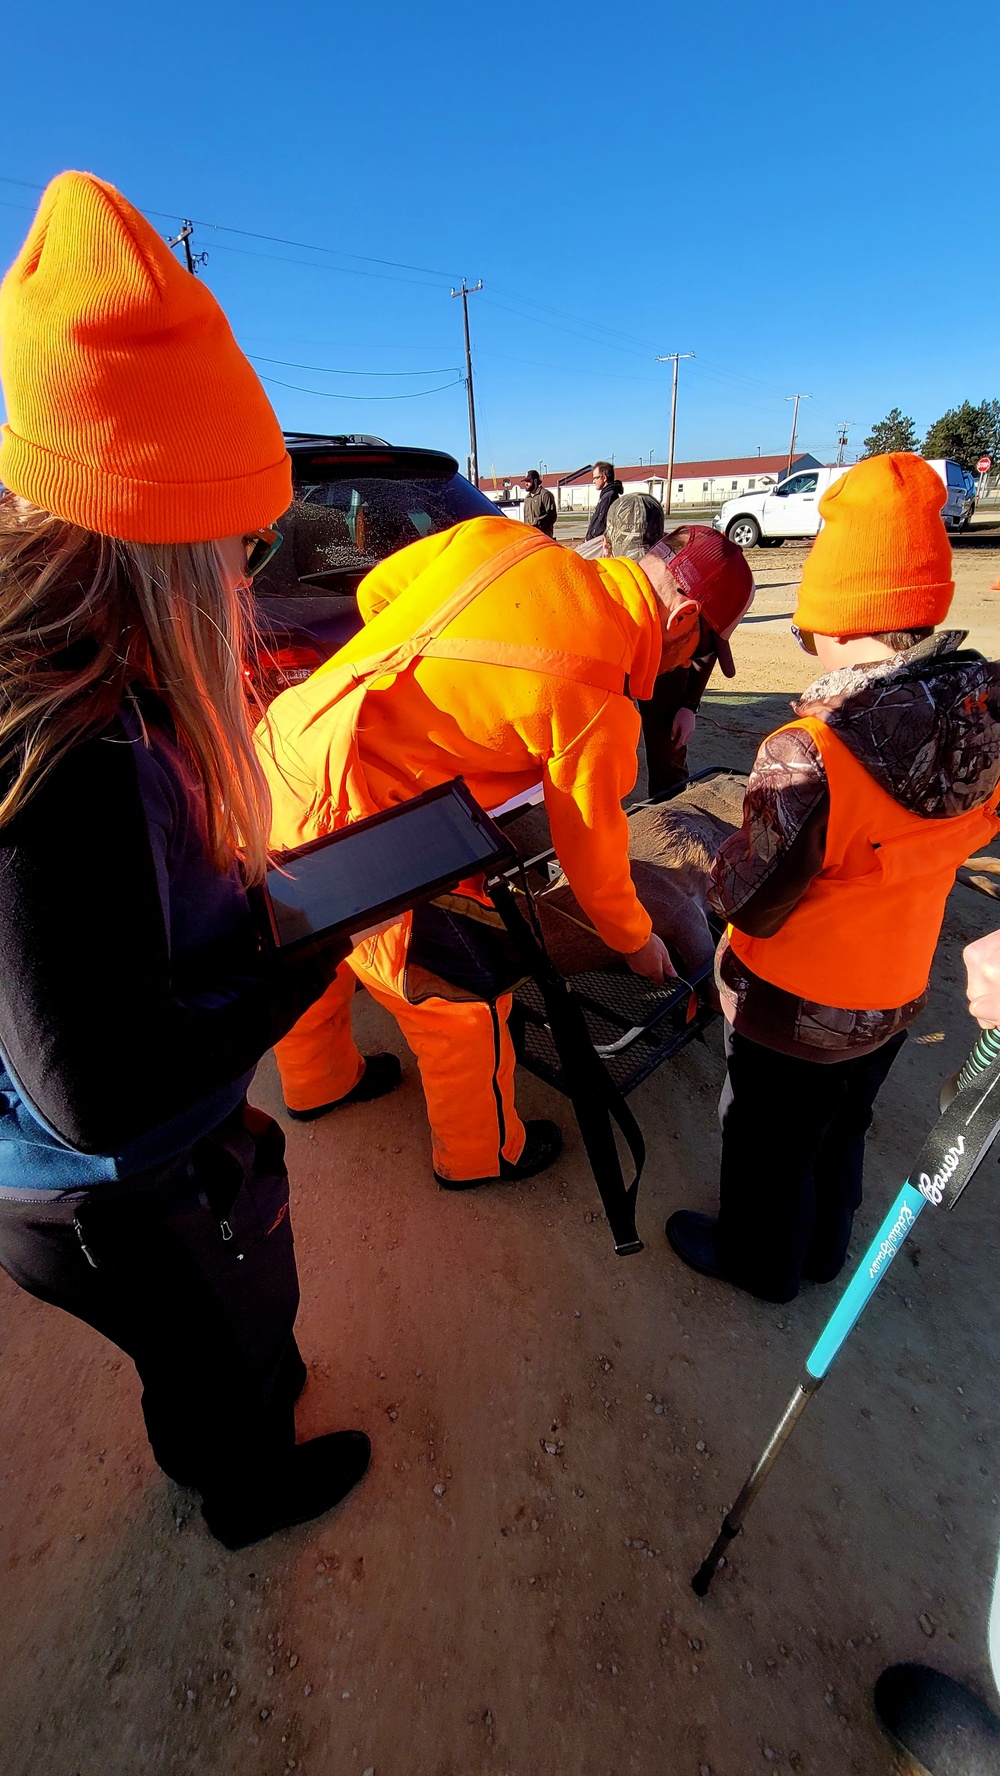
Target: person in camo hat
635,524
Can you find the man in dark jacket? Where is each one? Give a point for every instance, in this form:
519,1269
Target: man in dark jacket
608,490
539,504
856,816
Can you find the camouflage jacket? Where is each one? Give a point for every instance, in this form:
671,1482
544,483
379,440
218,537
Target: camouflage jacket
926,725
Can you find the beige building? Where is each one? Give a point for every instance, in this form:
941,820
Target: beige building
694,483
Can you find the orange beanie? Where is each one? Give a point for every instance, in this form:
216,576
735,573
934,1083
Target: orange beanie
131,410
882,560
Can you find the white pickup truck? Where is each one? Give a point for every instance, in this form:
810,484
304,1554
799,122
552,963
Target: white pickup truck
791,509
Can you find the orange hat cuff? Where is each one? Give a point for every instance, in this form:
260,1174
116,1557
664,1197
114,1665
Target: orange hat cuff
822,612
143,511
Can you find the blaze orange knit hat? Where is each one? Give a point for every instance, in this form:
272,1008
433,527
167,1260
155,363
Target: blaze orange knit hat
882,560
131,410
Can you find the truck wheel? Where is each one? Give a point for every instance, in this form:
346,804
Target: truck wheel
745,532
771,542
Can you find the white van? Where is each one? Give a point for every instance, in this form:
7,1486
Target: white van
791,509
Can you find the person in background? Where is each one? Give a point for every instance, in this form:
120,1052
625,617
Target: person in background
856,818
609,489
935,1721
539,504
635,523
138,1190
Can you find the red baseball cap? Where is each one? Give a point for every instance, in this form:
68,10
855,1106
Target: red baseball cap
716,574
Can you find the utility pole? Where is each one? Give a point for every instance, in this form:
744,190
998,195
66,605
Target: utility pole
795,426
192,260
465,292
842,440
672,358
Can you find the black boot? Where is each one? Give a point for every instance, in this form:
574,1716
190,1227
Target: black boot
311,1479
939,1725
176,1463
382,1074
693,1238
542,1144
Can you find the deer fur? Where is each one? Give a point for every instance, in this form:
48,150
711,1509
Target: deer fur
671,848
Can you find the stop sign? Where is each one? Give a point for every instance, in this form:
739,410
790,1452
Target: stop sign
984,463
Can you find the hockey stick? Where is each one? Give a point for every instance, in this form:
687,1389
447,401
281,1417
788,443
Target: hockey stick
955,1147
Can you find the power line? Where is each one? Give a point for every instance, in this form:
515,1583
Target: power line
561,369
312,247
253,234
579,327
594,326
385,277
328,395
575,333
324,369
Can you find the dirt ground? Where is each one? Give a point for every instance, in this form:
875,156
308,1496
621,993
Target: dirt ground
556,1434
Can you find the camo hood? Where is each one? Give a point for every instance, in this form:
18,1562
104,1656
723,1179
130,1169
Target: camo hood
925,724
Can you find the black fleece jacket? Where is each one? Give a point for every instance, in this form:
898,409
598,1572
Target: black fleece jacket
132,984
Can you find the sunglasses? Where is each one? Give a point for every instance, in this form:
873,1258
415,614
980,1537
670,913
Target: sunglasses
260,546
805,640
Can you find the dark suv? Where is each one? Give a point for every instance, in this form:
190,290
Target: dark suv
357,500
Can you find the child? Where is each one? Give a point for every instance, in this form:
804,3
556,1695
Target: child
856,818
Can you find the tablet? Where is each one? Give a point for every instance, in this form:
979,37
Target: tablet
367,874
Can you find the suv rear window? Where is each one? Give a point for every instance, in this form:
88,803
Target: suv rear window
349,525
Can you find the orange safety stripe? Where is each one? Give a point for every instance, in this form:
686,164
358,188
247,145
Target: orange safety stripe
601,675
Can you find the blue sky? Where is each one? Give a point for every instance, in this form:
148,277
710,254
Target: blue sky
790,193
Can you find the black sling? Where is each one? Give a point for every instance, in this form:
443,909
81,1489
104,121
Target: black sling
596,1100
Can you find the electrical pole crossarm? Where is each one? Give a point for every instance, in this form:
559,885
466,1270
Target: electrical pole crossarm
183,239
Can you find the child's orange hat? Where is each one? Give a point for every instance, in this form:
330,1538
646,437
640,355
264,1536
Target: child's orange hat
882,560
131,410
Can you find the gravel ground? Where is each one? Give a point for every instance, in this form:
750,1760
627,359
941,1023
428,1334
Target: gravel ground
556,1432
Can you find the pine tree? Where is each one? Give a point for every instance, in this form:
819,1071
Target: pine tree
966,433
894,432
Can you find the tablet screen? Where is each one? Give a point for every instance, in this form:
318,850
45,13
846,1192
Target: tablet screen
380,866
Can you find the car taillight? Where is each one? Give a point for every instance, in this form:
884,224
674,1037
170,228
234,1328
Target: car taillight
293,664
279,667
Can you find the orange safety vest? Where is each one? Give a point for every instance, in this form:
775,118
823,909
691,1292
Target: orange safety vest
864,933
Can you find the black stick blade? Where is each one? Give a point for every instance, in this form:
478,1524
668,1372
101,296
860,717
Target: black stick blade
705,1574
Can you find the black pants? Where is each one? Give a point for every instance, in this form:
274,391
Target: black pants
666,763
189,1269
793,1151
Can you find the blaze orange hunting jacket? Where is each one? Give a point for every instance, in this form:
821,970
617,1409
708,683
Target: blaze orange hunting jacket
533,681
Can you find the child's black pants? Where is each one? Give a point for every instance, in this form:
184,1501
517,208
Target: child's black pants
793,1149
190,1269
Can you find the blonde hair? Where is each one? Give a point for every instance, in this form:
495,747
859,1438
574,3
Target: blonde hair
84,621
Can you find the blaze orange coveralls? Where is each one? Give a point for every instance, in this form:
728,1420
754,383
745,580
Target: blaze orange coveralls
531,680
